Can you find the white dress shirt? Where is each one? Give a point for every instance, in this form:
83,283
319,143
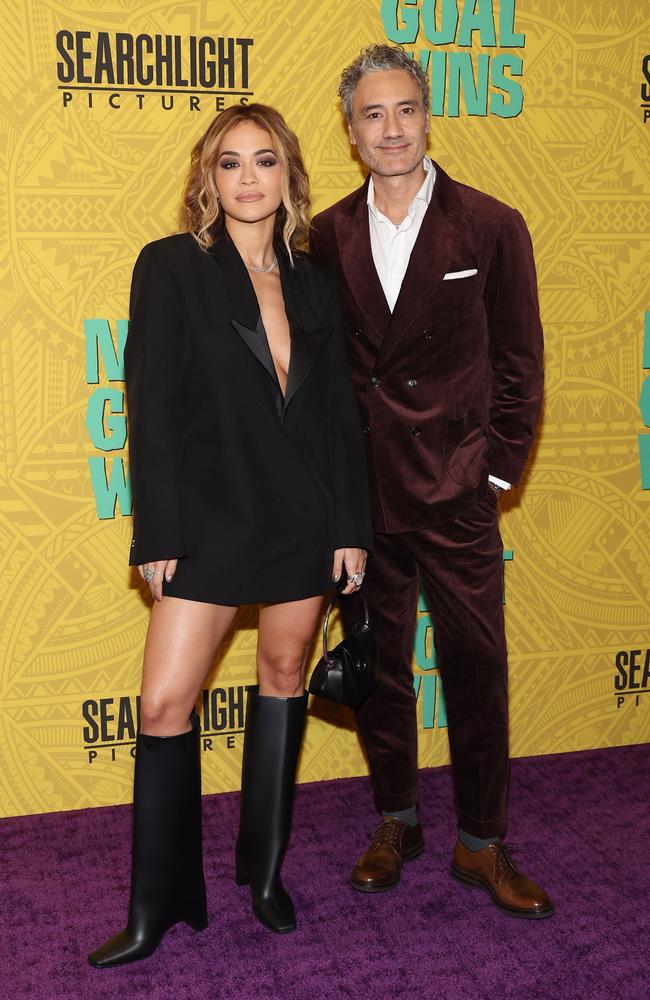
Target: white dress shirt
392,245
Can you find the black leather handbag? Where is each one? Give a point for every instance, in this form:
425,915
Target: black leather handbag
348,673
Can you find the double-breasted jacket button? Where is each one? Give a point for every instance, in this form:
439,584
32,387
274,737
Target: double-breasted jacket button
356,333
374,381
415,431
427,334
411,383
366,429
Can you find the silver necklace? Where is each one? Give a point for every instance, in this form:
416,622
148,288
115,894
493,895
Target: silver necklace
263,270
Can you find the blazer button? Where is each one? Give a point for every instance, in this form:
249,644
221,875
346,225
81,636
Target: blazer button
366,430
415,431
411,383
356,333
427,334
374,381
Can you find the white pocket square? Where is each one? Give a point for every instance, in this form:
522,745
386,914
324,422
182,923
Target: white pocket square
450,275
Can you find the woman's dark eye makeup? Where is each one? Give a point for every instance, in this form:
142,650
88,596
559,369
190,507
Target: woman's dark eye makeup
266,162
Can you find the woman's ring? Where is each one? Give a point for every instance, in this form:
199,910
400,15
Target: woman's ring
148,574
356,578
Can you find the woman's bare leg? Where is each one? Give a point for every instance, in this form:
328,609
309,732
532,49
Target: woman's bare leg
286,633
182,640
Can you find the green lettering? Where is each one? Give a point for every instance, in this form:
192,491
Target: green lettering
425,653
114,437
108,493
508,38
448,21
408,31
644,401
438,78
429,684
475,91
510,87
477,20
99,339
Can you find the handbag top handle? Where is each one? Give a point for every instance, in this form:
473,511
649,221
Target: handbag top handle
327,618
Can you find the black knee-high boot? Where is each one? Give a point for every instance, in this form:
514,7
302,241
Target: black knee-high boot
273,735
167,884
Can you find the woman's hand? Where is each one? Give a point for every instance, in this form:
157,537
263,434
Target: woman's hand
353,561
153,572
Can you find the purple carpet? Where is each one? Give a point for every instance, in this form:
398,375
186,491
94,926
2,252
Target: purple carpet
581,825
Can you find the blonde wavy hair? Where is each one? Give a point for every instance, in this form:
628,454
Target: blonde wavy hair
201,213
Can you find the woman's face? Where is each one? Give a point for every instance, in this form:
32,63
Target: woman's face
248,174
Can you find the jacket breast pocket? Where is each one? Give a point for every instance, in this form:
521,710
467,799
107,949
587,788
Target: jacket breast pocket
458,300
458,275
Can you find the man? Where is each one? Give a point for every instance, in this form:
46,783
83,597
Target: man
445,348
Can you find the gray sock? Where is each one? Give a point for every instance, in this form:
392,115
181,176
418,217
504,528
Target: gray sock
473,843
409,816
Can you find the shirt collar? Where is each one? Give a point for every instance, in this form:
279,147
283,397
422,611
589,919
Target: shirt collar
424,194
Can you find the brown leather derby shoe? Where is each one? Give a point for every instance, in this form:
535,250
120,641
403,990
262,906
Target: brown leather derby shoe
381,866
493,870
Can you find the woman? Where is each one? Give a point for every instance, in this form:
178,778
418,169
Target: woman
249,483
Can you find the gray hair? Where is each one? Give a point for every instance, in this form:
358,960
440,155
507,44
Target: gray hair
375,58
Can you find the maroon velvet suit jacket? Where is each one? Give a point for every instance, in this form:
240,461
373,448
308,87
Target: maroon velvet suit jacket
450,384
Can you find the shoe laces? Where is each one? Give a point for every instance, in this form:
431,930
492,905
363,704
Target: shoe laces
505,860
389,832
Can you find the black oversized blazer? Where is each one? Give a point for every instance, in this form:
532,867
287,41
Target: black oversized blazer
224,469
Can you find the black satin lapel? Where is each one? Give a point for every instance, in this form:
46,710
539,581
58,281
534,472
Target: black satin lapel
434,249
353,238
238,283
305,348
306,342
258,345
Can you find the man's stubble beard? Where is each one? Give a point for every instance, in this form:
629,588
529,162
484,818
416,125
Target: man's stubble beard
396,173
375,165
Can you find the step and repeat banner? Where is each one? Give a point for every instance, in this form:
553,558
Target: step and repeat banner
545,106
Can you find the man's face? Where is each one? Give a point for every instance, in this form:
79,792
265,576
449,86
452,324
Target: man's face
389,124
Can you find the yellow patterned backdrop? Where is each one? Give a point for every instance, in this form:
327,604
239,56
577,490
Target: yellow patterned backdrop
88,186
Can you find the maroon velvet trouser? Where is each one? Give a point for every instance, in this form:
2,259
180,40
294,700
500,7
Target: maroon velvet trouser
460,565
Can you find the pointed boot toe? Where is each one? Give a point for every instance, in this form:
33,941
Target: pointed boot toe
122,948
276,912
167,883
272,740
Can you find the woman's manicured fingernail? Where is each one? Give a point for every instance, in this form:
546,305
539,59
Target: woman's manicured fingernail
169,578
336,577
